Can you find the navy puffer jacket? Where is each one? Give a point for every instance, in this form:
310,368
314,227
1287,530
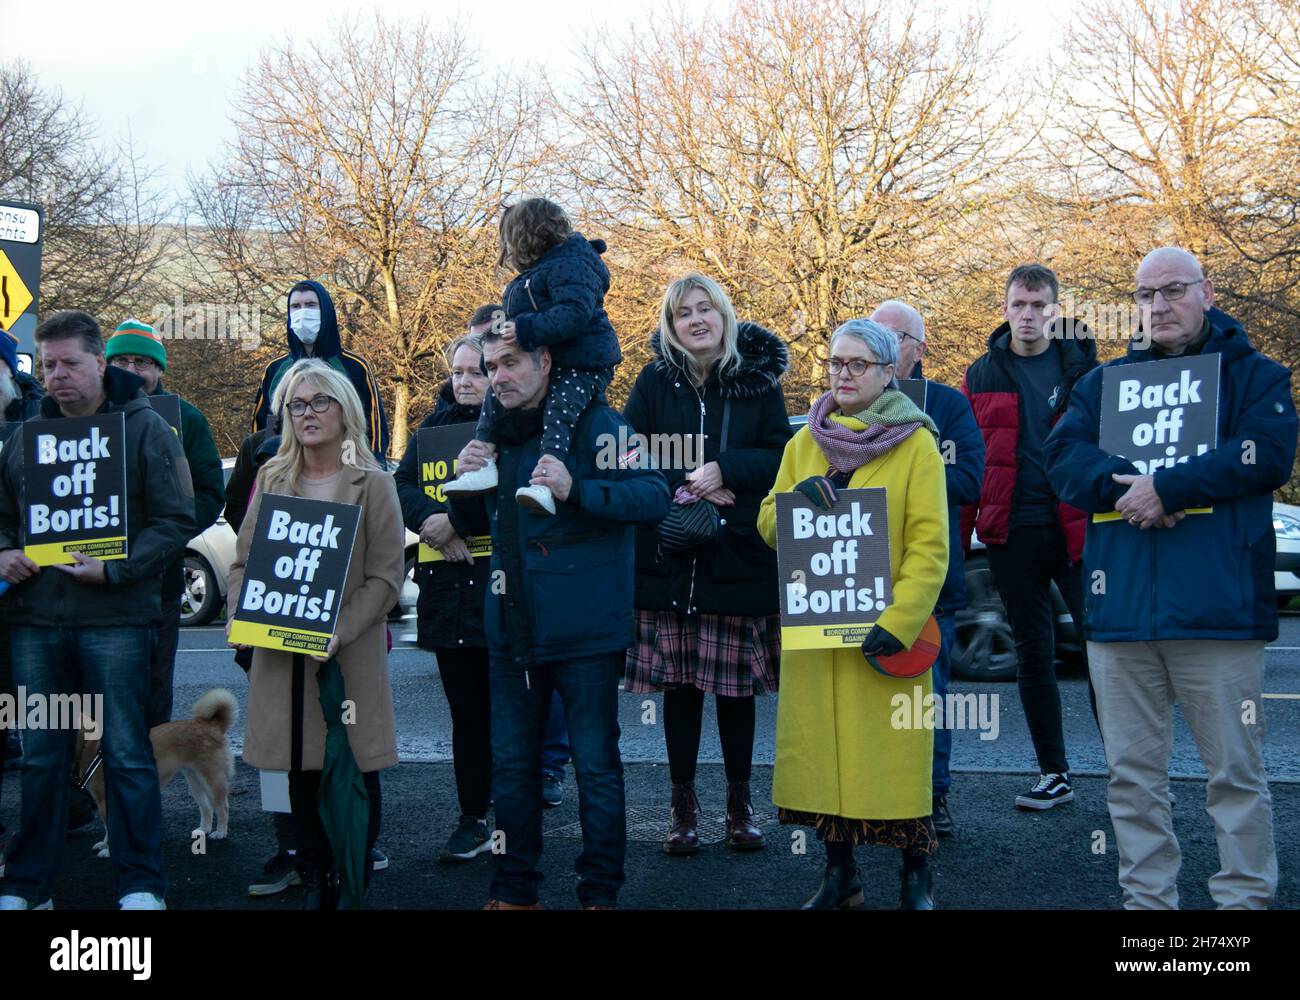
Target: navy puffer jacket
1211,575
559,303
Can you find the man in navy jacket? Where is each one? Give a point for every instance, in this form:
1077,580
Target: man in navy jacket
1179,606
962,446
558,616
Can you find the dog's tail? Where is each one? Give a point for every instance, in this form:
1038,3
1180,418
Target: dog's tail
219,706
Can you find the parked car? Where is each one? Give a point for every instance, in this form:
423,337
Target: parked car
984,648
207,567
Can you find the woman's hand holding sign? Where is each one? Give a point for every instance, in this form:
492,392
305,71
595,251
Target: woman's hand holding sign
436,531
16,567
330,650
86,569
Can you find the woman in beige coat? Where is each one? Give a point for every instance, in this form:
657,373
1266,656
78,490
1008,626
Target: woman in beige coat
323,425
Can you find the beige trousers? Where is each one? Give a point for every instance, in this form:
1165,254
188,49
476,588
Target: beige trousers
1218,685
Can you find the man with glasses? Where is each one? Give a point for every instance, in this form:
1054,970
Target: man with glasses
1188,601
1018,390
136,347
962,448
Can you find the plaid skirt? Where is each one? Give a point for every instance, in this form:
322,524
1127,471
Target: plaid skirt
729,655
905,834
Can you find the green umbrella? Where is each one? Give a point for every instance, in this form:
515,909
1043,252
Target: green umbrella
344,805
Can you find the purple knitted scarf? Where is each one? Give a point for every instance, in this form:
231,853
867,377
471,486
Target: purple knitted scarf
848,450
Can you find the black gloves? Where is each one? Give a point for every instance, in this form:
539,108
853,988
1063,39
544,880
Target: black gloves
819,490
880,643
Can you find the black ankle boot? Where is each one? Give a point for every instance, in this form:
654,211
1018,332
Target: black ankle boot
918,884
841,887
319,891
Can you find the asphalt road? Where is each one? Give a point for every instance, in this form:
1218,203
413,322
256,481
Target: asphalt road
1002,858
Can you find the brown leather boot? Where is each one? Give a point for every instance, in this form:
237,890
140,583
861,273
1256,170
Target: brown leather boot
683,821
742,833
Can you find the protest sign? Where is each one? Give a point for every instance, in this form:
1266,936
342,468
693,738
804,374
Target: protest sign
74,488
1158,414
834,568
293,579
168,406
914,389
437,448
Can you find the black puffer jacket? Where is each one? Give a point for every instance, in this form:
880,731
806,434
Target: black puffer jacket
449,613
559,303
737,574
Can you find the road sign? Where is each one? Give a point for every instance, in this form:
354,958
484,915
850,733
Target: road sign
14,295
22,234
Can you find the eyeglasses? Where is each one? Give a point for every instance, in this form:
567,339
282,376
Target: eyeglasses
857,367
319,404
138,364
1172,292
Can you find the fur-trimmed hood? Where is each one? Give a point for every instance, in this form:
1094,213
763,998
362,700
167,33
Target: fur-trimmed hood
764,358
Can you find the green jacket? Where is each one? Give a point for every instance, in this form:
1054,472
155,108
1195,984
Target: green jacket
209,484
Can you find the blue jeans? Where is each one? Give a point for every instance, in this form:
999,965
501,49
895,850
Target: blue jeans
113,662
941,777
520,703
555,739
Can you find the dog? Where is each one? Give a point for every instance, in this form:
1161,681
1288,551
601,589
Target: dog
199,748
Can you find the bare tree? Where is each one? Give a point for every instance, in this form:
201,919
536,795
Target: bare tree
814,155
103,232
377,160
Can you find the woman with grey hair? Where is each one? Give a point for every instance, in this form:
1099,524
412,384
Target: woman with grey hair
842,767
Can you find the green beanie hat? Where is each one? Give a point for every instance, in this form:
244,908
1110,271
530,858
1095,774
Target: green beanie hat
134,337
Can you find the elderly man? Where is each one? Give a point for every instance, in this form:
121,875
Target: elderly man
558,617
962,448
1181,606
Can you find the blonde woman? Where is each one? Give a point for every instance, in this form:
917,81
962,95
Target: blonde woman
707,617
322,424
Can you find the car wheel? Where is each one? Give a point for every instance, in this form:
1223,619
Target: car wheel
983,646
201,596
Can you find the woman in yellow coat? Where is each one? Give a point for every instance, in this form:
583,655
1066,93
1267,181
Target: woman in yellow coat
841,765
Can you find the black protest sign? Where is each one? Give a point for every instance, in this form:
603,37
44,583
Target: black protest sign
293,578
1160,413
437,448
914,389
74,488
834,567
168,406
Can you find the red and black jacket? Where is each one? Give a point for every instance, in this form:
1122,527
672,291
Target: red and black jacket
990,385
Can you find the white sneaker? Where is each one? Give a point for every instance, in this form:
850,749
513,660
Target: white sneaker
18,903
141,901
473,484
538,498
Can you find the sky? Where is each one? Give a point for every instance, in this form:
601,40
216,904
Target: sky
162,74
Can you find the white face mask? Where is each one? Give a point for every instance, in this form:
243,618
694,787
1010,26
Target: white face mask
305,324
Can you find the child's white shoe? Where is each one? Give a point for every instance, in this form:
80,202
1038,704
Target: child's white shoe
538,498
473,484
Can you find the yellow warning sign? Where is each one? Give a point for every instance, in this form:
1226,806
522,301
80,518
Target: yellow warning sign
14,296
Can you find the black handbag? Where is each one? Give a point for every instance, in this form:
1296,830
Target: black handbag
689,525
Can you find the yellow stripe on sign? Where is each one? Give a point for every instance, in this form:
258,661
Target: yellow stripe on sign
823,636
59,553
1115,515
479,546
286,640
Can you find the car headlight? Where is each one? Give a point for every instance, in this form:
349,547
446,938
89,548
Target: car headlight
1286,526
